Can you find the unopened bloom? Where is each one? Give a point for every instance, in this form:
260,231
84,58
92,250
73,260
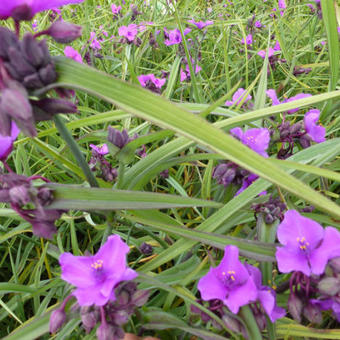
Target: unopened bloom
64,32
129,32
26,9
6,142
307,246
316,132
70,52
96,276
238,96
229,282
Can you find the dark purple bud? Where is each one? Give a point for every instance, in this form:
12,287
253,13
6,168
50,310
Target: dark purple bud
308,209
295,128
16,105
22,67
146,249
117,138
45,229
335,264
106,332
12,71
164,173
46,53
232,323
48,74
220,170
22,12
20,195
295,306
45,196
55,105
90,317
64,32
312,313
305,141
140,298
31,50
120,317
7,39
329,286
269,219
57,319
260,320
6,123
33,81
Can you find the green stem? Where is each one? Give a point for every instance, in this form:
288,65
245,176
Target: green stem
66,135
250,322
121,172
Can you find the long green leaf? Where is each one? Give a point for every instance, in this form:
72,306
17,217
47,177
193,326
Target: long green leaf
151,107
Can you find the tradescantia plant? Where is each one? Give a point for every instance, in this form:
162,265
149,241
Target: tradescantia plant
130,241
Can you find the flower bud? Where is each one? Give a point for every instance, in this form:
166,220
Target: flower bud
312,314
20,195
295,306
89,318
305,141
22,12
232,323
146,249
54,105
31,51
45,229
48,74
33,81
105,332
117,138
140,298
7,39
335,264
57,319
64,32
21,66
329,286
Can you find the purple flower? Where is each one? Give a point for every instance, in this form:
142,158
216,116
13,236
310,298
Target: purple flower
229,282
116,9
145,78
272,95
94,43
174,37
201,24
258,24
262,53
265,295
332,303
101,150
256,139
185,74
307,246
238,97
70,52
129,32
282,4
316,132
26,9
277,46
6,142
249,39
96,276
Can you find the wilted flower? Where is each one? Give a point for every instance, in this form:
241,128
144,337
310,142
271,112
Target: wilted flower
307,246
96,276
229,282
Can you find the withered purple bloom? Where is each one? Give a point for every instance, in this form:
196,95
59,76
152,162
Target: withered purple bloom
96,276
307,246
229,282
26,9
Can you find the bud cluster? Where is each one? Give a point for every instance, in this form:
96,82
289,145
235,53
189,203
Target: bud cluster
272,210
98,162
22,195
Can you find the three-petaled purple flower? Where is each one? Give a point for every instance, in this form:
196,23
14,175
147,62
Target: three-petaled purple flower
307,246
238,96
70,52
26,9
229,282
144,79
201,24
174,37
316,132
6,142
129,32
96,276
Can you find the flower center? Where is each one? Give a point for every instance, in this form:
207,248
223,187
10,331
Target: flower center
97,265
303,244
229,277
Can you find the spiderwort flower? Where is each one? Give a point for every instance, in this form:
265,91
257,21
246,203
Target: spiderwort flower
238,97
174,37
201,24
70,52
129,32
229,282
96,276
316,132
26,9
249,39
6,142
101,150
307,246
150,82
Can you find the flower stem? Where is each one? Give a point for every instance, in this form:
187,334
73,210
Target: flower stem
66,135
250,322
121,171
